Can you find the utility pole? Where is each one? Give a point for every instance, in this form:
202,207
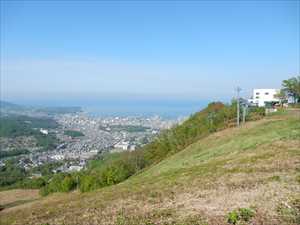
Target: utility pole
244,113
210,118
238,89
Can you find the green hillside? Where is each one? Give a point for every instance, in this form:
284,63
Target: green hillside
247,175
115,168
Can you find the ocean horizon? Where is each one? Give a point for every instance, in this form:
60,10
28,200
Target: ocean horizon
129,107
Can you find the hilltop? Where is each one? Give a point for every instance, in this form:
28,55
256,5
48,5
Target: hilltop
254,168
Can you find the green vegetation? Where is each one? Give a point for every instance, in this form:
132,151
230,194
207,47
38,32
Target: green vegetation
12,176
115,168
215,117
47,142
31,183
46,168
129,128
290,88
255,113
73,133
14,152
61,182
240,216
111,171
14,126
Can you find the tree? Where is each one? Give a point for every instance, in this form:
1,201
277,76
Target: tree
68,184
292,88
282,96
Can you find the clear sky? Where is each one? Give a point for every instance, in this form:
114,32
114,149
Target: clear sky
184,50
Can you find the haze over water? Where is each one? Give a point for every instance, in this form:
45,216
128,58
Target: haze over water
125,107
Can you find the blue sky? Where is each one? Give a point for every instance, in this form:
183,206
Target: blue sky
176,50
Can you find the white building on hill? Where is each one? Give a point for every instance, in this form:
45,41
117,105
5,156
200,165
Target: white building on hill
262,96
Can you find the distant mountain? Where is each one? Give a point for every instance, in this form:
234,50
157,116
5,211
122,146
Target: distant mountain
9,107
60,110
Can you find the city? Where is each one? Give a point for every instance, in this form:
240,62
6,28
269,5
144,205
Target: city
82,137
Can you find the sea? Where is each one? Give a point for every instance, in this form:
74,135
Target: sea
129,107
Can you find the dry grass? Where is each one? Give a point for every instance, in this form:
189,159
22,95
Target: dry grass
13,198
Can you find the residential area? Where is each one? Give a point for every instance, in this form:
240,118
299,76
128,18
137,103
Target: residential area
80,137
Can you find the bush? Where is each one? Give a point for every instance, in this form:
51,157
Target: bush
44,191
246,214
233,217
68,184
240,215
61,182
113,170
34,183
88,183
255,113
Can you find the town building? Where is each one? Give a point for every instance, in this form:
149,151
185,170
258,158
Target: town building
44,131
263,97
132,147
75,168
122,145
57,157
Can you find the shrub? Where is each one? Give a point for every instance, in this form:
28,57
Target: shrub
32,183
44,191
61,182
68,184
255,113
233,217
112,171
88,183
246,214
240,215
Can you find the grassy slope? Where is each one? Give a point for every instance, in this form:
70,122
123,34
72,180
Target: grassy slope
16,197
254,166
